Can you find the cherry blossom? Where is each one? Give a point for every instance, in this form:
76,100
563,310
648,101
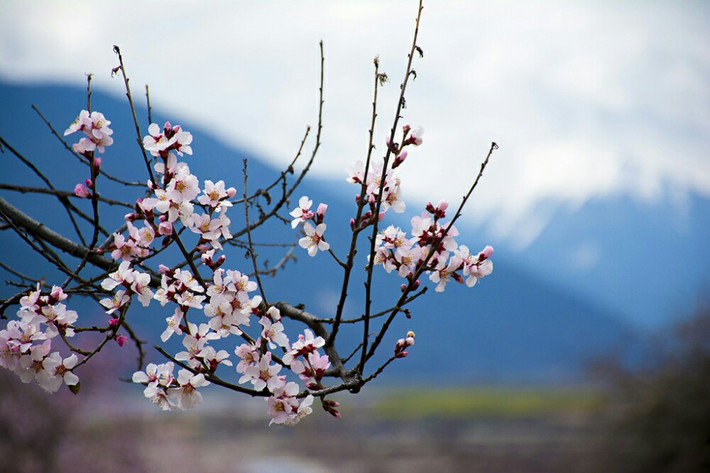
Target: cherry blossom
313,241
159,142
263,374
285,408
187,394
249,353
273,333
306,344
302,213
95,127
57,371
215,195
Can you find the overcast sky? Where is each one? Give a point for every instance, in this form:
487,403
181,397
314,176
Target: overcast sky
585,99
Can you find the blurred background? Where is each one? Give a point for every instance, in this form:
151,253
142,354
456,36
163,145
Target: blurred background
589,341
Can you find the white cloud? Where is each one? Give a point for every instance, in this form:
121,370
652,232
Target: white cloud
583,98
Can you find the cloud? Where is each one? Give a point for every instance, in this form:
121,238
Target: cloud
583,98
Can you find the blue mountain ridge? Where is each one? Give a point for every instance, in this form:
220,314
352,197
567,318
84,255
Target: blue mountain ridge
511,327
647,260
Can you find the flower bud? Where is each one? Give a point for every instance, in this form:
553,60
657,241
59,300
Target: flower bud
399,159
320,212
81,191
485,253
165,228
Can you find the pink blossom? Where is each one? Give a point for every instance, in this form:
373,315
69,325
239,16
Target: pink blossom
306,343
313,241
215,195
187,394
57,371
80,190
475,266
302,213
283,405
415,137
156,142
117,302
263,374
249,353
273,333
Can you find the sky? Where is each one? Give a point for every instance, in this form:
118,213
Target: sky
585,99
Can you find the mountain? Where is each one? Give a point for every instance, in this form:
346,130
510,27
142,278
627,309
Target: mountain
647,260
514,326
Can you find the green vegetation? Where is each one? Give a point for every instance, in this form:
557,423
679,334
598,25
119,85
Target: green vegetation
484,401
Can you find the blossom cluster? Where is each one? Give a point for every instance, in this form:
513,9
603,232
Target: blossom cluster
313,241
258,368
26,343
168,392
431,248
96,128
224,300
209,308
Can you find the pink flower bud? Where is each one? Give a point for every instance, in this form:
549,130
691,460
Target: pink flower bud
165,228
113,322
56,295
89,183
486,253
330,407
97,164
121,339
320,212
81,191
399,159
231,192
